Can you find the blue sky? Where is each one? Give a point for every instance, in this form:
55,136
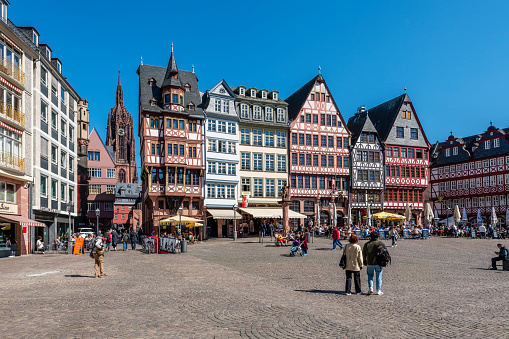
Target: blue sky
451,55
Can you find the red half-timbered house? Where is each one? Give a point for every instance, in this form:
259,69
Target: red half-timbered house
406,155
473,173
319,154
171,140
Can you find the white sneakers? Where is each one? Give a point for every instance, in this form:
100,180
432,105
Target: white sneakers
370,292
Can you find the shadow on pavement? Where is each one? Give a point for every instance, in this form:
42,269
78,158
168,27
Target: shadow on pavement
78,276
324,249
322,291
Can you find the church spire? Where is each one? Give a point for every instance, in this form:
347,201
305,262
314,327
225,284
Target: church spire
120,93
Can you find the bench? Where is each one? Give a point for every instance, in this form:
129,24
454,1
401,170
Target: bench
505,265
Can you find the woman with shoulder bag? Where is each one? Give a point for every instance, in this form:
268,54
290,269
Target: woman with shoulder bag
353,254
125,239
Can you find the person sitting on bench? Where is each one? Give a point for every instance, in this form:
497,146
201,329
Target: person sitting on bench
503,254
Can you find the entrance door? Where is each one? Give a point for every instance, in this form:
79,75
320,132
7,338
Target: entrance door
324,218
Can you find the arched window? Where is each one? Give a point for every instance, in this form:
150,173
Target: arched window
121,176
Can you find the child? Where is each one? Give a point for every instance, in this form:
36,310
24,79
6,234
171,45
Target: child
304,244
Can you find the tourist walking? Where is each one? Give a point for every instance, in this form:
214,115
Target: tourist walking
108,240
125,239
114,239
393,233
134,239
304,244
503,254
482,230
353,253
98,254
335,239
11,242
369,252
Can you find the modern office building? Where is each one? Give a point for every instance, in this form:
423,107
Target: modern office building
221,158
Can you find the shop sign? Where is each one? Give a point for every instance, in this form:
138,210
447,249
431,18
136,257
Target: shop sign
8,208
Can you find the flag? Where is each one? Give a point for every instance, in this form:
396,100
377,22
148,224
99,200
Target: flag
245,200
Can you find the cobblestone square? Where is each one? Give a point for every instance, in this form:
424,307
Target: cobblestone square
436,288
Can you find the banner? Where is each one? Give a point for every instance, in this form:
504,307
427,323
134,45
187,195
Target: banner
245,200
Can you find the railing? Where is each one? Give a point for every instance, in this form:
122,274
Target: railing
9,68
12,113
12,161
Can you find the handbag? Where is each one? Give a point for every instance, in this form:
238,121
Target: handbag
342,261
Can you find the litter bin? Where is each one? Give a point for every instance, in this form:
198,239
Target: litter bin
308,239
183,245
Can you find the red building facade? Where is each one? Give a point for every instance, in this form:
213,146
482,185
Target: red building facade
171,138
319,154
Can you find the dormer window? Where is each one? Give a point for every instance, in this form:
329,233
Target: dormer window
496,143
264,95
151,81
242,91
59,67
35,39
48,54
190,106
188,88
274,96
153,102
253,93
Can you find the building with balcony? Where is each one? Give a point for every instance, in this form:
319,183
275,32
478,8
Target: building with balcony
221,158
53,107
102,178
17,57
171,143
472,173
319,154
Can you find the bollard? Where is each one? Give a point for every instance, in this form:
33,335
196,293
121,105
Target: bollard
313,237
260,236
183,246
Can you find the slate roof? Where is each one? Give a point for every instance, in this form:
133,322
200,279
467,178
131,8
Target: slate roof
358,123
148,92
298,98
384,115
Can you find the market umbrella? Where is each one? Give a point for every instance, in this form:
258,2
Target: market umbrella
464,217
182,219
368,216
381,215
436,215
428,213
479,218
408,212
396,217
457,214
494,219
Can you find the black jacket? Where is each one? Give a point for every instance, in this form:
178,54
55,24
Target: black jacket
503,253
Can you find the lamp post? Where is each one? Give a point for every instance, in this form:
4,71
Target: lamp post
69,207
447,220
234,207
97,213
180,221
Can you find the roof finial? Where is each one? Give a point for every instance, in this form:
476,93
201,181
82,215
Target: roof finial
491,123
172,46
405,89
319,69
193,68
119,77
142,59
451,132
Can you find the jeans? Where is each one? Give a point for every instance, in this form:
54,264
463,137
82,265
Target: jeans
108,245
356,279
494,261
125,245
13,250
483,235
394,240
133,245
304,251
372,270
336,242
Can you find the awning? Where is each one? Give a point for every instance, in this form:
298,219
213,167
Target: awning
270,212
224,214
179,219
22,221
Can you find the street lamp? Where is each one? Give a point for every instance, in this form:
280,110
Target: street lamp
234,207
447,220
180,220
69,208
97,213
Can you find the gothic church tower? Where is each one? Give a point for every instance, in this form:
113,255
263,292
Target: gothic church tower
120,136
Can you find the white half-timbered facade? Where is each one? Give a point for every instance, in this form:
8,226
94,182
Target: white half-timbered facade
319,154
473,173
366,169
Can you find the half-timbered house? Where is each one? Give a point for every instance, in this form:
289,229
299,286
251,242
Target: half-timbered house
473,173
221,157
406,155
171,142
319,153
366,168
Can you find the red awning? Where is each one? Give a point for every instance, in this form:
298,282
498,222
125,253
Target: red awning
21,220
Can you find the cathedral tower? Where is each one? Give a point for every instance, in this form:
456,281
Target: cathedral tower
120,136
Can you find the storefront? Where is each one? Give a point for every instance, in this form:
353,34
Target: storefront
220,223
18,227
256,216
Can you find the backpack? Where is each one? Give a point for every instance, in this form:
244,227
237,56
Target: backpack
383,258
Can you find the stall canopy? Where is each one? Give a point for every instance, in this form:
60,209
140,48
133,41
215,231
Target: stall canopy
176,219
270,212
224,214
21,220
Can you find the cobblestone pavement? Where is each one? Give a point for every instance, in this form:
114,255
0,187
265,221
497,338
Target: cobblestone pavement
436,288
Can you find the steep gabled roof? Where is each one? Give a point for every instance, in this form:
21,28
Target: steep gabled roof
384,115
298,98
171,70
95,134
359,123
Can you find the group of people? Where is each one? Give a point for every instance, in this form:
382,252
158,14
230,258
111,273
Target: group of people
357,258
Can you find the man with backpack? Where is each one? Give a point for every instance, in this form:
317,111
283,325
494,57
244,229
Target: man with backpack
376,257
503,254
97,254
